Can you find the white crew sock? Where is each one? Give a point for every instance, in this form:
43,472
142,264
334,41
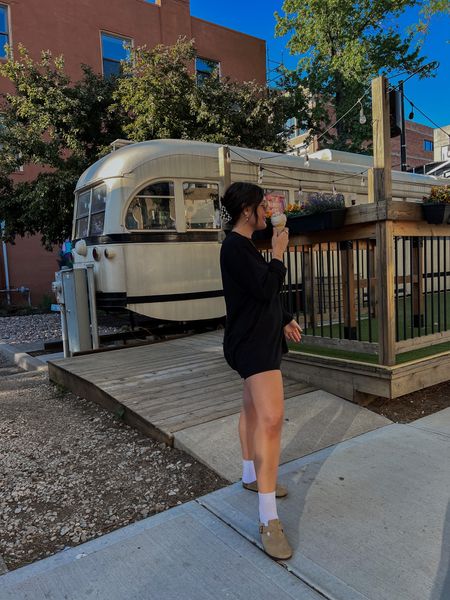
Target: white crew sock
267,507
248,471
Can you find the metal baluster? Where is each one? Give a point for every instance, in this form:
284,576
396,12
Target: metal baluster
340,290
425,260
330,308
358,290
432,284
439,282
369,295
397,299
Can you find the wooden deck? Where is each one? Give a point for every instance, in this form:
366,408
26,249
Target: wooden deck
161,388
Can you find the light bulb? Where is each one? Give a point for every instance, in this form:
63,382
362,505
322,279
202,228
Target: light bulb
260,175
362,116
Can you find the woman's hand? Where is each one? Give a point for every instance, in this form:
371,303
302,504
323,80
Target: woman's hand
280,241
293,331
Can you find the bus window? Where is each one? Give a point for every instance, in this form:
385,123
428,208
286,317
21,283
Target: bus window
90,215
201,205
98,205
82,219
152,208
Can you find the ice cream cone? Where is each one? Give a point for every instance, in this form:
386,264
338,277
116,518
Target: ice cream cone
279,222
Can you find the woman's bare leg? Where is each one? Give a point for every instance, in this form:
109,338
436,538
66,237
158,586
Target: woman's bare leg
267,395
247,424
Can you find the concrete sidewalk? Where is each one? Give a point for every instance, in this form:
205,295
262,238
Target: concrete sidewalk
369,519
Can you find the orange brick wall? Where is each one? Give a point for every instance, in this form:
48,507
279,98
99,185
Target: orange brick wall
415,153
72,28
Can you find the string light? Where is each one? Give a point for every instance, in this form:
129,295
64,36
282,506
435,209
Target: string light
334,190
411,114
362,116
300,192
362,181
260,174
306,159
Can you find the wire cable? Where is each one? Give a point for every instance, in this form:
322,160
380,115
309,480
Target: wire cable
427,117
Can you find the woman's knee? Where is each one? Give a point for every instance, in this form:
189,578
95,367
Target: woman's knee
271,422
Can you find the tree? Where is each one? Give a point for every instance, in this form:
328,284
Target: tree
342,45
160,93
427,11
61,127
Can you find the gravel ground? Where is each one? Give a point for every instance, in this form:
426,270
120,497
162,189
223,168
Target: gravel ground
35,328
70,471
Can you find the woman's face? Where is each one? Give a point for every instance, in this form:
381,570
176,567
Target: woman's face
260,217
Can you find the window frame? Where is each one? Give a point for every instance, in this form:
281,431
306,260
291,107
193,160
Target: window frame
80,193
429,143
199,181
137,194
112,60
207,73
6,33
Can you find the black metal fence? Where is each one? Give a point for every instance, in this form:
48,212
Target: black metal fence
331,288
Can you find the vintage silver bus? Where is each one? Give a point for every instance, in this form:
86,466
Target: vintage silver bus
148,217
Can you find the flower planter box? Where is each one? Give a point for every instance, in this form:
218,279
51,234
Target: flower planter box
329,219
436,213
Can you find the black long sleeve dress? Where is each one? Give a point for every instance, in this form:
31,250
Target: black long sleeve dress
254,339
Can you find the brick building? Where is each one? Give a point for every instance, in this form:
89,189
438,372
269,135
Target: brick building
93,33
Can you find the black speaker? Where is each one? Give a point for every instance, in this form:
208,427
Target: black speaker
395,112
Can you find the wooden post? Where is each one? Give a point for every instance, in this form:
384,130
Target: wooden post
382,164
385,292
382,193
225,166
348,290
370,187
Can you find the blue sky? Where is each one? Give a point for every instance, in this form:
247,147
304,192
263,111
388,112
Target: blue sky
256,17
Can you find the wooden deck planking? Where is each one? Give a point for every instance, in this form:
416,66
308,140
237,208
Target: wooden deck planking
162,388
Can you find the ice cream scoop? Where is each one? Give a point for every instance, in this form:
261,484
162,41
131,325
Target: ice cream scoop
278,221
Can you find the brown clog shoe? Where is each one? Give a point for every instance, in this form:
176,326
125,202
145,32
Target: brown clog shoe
280,491
274,541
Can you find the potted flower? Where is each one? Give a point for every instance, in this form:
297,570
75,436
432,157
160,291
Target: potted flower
321,211
436,208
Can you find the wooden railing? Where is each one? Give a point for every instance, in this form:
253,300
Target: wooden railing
379,285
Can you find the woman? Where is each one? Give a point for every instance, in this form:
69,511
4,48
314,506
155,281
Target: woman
256,330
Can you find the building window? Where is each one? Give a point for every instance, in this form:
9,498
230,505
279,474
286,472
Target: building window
114,50
4,35
294,130
152,208
90,215
201,205
205,67
428,145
